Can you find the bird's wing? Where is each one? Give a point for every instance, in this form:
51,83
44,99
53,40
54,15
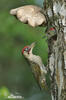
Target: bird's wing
38,75
36,70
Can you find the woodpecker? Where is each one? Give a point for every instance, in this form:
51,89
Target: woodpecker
38,69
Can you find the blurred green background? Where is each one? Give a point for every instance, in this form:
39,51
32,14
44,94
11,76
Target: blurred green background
15,74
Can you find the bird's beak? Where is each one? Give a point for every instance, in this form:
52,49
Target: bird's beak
32,45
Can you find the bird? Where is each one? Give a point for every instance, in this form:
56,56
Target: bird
31,14
38,69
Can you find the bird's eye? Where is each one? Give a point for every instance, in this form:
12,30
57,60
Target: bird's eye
26,49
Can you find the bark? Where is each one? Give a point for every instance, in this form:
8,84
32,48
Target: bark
55,12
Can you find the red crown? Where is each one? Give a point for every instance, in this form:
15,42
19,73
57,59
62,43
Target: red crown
51,29
24,49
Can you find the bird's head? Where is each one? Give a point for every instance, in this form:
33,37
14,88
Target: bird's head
27,50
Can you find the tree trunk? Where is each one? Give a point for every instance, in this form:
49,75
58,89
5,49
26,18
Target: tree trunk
55,12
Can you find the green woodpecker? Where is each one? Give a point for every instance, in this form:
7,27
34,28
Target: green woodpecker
37,66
